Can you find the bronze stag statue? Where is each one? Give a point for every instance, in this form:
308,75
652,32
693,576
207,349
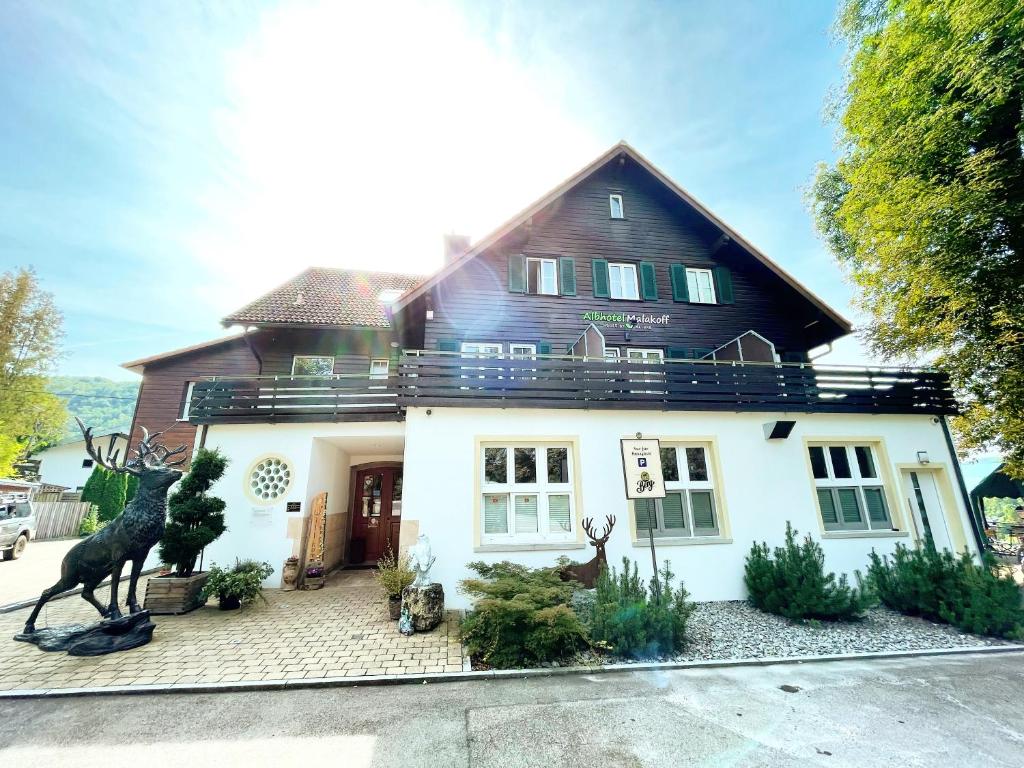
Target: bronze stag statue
130,536
586,573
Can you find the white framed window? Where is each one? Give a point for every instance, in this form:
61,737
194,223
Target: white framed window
700,285
690,506
186,406
523,352
848,487
379,368
611,354
622,283
542,276
645,355
483,350
615,209
312,365
527,493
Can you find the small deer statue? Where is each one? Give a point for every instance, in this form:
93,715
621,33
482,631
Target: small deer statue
129,536
586,573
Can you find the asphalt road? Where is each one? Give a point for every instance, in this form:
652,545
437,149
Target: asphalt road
953,711
37,569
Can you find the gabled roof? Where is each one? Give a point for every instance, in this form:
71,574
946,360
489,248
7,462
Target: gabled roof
137,366
620,149
326,297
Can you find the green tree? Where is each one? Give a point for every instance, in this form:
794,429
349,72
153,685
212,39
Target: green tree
92,491
114,493
195,519
30,331
925,205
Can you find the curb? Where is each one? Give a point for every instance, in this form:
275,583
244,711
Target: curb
11,607
496,674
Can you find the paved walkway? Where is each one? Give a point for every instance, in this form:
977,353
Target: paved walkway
341,630
37,569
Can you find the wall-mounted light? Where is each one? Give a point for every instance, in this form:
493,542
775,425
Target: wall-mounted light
778,430
922,457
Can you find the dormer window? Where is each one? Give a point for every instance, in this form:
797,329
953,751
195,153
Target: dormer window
389,295
615,207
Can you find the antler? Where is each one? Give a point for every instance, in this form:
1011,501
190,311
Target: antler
148,450
110,461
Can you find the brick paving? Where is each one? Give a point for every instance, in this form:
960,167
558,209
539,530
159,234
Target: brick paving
341,630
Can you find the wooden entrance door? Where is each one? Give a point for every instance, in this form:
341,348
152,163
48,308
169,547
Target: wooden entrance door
376,513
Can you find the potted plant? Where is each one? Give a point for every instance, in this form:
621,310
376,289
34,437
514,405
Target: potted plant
195,520
237,586
394,574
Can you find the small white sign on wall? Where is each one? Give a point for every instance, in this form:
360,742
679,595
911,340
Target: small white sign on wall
641,467
262,517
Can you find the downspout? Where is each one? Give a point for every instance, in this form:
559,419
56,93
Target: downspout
248,342
979,537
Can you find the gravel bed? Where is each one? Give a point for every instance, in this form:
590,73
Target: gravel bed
737,630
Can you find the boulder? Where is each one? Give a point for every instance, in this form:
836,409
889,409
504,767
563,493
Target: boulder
425,606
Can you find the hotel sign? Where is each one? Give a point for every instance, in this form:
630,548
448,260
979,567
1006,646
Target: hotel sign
641,467
626,319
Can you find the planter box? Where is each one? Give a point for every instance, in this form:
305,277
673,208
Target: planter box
166,595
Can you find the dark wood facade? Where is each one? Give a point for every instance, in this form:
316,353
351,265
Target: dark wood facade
476,304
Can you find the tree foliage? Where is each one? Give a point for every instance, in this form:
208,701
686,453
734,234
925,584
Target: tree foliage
30,331
104,404
925,206
108,491
195,519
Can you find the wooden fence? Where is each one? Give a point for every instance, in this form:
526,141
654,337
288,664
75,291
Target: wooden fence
59,519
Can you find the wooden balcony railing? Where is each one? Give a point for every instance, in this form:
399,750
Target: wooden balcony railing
451,379
425,379
294,398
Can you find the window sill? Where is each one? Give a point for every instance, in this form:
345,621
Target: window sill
552,546
682,541
864,534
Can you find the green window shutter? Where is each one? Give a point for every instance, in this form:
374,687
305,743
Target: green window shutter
648,282
495,513
445,345
567,275
544,348
559,520
723,285
516,273
672,512
645,517
680,292
602,289
828,508
677,353
875,501
526,513
703,512
849,505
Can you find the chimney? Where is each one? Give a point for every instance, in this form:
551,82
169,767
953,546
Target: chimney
454,246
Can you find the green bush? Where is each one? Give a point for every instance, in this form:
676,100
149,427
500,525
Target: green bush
792,582
244,581
394,573
195,519
631,620
91,523
943,587
521,616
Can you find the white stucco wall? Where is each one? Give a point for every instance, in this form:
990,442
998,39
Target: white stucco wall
320,456
62,464
765,484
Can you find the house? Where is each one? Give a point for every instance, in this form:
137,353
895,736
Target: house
69,465
483,405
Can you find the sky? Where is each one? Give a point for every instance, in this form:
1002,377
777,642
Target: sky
163,163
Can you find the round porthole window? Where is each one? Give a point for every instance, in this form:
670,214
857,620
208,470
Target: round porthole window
268,479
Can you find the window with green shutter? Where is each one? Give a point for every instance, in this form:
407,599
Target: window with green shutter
689,507
723,285
602,288
567,275
648,282
516,273
677,274
846,485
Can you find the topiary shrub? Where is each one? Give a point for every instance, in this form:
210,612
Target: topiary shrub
943,587
791,582
630,620
521,616
195,519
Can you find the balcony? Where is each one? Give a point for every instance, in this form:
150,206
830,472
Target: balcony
438,379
